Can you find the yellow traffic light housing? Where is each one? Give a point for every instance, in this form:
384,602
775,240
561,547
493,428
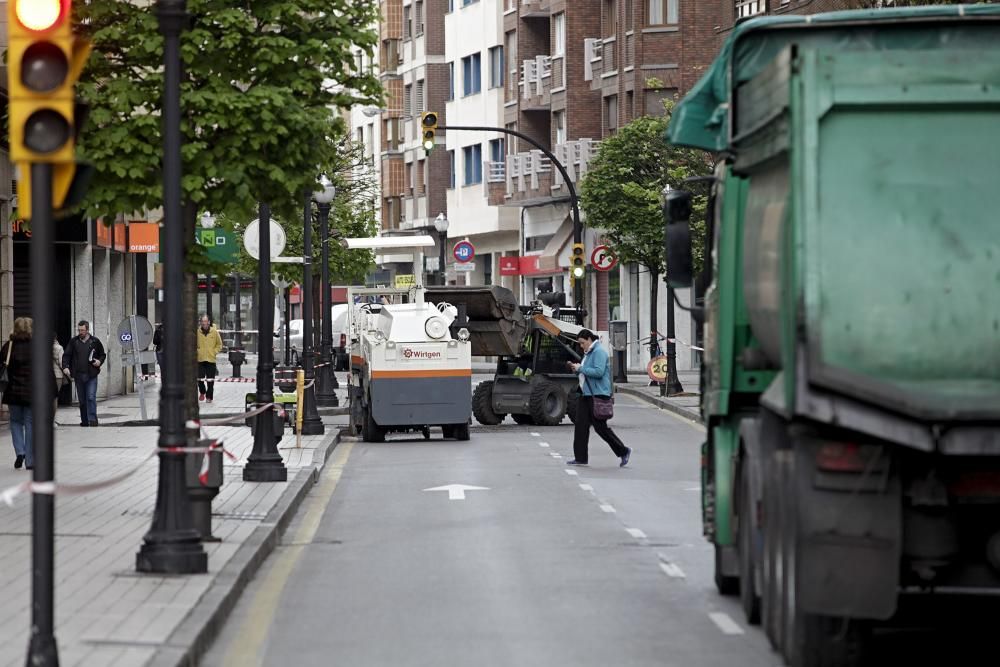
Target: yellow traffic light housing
45,60
578,261
428,127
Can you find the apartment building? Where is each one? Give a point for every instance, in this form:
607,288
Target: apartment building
477,67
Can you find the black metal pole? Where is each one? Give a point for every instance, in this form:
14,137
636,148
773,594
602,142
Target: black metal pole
311,423
208,298
141,296
326,378
264,463
442,240
42,649
172,545
573,199
288,325
238,334
673,381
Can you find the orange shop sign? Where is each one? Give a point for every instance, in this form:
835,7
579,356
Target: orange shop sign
143,237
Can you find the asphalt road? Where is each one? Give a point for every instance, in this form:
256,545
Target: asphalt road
539,568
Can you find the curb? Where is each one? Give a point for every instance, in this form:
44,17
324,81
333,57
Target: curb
191,639
664,403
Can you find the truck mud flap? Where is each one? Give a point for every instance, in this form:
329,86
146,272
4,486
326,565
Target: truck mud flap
849,538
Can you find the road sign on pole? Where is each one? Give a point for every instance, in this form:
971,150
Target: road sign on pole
603,258
252,243
135,334
464,252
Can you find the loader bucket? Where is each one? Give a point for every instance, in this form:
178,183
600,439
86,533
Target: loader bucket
496,324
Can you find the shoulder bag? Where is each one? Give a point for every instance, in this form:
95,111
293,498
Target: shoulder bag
4,380
603,407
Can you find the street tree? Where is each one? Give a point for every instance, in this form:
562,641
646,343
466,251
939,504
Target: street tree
621,191
263,83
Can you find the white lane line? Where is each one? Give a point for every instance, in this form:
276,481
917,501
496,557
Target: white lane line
636,533
587,487
693,488
543,444
671,570
555,455
535,434
608,508
572,473
726,624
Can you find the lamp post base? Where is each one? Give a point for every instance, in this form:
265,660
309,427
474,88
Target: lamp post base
326,382
43,651
181,553
311,422
265,469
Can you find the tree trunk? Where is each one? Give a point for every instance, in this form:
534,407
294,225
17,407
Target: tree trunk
190,318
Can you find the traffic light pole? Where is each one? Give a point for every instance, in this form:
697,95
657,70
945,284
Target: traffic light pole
42,650
573,199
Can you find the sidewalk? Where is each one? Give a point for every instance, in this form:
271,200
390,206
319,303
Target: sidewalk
686,405
106,612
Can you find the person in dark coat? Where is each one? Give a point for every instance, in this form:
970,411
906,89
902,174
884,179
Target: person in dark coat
82,361
18,394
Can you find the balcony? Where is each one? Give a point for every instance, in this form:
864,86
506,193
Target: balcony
599,60
534,9
531,178
539,76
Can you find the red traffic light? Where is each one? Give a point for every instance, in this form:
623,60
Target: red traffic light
41,15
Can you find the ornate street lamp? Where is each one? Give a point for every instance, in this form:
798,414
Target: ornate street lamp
311,422
326,378
441,225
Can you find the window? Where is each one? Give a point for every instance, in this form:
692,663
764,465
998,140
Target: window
655,100
408,100
496,150
407,23
665,11
370,140
559,28
361,136
451,173
559,122
609,17
496,67
451,81
420,98
629,110
418,176
745,8
512,146
510,54
611,113
451,6
472,156
409,177
359,62
471,75
466,3
629,18
418,13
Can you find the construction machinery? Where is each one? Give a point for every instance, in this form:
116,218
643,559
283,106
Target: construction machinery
851,380
408,373
533,382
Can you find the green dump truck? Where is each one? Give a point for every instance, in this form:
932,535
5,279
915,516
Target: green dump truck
851,379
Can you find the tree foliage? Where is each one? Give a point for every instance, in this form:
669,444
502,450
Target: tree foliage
262,87
621,190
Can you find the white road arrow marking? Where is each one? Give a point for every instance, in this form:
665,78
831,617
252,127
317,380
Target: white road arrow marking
457,491
535,434
725,623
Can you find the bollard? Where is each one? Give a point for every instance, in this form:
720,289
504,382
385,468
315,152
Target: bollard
237,357
200,494
300,392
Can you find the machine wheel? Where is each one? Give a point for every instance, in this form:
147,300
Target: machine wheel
461,431
482,405
547,403
748,562
524,420
572,400
447,431
726,585
371,431
427,432
770,601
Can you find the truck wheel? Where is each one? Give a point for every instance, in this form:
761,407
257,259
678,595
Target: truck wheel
482,405
572,400
461,431
524,420
770,601
371,431
447,431
748,561
547,403
726,585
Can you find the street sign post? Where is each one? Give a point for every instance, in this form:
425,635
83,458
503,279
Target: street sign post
252,243
135,334
603,258
464,252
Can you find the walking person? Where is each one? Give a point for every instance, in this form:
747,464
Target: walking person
595,382
209,347
82,361
158,345
17,396
57,356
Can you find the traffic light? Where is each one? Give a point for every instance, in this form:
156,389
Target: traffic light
578,261
428,125
44,62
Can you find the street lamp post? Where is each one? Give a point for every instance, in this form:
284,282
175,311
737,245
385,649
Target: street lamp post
311,423
172,545
264,463
236,355
672,386
208,222
441,225
326,378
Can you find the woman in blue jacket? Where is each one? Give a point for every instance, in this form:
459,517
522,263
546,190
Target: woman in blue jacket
595,380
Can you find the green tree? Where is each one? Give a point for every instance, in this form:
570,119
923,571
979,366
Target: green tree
621,194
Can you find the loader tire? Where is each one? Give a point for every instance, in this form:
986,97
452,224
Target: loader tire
482,405
370,430
547,404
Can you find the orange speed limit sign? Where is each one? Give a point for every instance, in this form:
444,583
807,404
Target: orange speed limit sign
656,369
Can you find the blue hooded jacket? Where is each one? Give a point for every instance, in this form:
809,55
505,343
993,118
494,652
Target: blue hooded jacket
596,371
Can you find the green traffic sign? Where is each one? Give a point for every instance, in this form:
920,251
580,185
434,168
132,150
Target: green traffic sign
220,244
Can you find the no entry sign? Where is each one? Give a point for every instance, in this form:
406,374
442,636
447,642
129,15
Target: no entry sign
464,252
603,258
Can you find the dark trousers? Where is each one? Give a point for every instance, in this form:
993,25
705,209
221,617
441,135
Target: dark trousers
581,435
206,369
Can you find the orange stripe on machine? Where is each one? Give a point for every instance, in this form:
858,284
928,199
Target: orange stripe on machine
424,373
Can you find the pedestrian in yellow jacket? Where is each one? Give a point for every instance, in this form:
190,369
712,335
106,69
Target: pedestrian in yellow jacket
209,346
